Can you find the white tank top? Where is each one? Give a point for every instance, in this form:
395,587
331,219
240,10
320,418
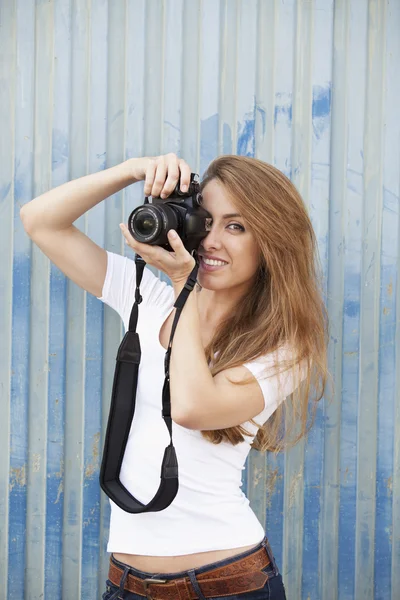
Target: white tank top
210,511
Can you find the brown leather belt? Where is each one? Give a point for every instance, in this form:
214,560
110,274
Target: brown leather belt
241,576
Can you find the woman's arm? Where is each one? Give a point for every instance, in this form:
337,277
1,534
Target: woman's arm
48,220
58,208
199,400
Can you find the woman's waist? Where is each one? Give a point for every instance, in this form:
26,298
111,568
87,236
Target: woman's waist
174,564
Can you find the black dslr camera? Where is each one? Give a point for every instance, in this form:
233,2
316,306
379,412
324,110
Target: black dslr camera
182,211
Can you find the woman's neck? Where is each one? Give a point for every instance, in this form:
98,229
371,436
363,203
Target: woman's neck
215,306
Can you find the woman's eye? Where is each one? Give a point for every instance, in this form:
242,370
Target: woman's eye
236,226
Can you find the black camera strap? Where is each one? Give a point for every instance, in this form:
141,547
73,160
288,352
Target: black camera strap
122,410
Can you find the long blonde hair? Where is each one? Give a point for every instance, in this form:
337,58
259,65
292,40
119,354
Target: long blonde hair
285,306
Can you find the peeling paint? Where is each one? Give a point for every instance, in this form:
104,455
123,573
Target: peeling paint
36,463
272,478
17,477
93,466
59,492
294,485
58,474
257,476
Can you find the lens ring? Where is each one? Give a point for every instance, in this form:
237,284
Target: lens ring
146,224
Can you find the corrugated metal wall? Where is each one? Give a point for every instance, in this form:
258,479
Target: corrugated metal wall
312,86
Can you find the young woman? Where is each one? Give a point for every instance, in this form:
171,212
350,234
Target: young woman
249,349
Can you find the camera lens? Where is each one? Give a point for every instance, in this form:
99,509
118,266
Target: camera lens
145,223
149,224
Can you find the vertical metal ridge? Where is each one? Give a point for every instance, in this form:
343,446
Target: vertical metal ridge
227,79
135,103
395,571
116,152
189,121
302,98
93,311
246,78
172,77
283,111
318,207
162,75
23,186
265,82
209,48
246,108
300,160
60,148
391,191
8,88
335,292
369,307
199,65
153,78
235,90
40,304
385,547
73,478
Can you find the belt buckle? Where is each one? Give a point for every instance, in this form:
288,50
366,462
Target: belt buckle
147,582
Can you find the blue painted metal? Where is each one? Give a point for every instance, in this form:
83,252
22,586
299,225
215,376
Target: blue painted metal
311,87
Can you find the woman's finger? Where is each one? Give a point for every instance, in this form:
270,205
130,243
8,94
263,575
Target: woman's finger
149,179
159,180
182,255
172,179
146,251
185,175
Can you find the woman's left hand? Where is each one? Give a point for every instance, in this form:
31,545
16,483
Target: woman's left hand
177,265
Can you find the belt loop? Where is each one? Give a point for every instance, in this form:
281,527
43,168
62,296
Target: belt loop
195,584
270,555
121,585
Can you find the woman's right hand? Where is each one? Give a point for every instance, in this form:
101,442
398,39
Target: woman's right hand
161,174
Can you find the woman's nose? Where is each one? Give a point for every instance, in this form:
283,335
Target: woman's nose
212,240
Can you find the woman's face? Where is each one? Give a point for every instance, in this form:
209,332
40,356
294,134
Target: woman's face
230,241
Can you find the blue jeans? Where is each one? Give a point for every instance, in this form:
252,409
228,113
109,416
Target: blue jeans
272,590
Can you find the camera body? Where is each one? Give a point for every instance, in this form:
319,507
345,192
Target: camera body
182,211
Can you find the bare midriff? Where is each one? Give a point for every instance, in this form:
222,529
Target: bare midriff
174,564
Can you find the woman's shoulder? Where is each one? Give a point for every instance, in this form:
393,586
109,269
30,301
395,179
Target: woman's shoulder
279,369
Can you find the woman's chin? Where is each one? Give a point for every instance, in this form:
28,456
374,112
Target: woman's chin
209,283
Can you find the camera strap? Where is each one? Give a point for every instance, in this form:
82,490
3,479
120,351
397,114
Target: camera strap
122,410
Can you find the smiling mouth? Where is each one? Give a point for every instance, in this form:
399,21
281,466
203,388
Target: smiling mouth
211,265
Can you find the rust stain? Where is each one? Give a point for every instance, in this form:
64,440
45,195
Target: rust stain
346,473
96,442
59,492
387,311
257,476
294,485
389,485
91,518
94,463
17,477
390,288
60,473
36,463
272,478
